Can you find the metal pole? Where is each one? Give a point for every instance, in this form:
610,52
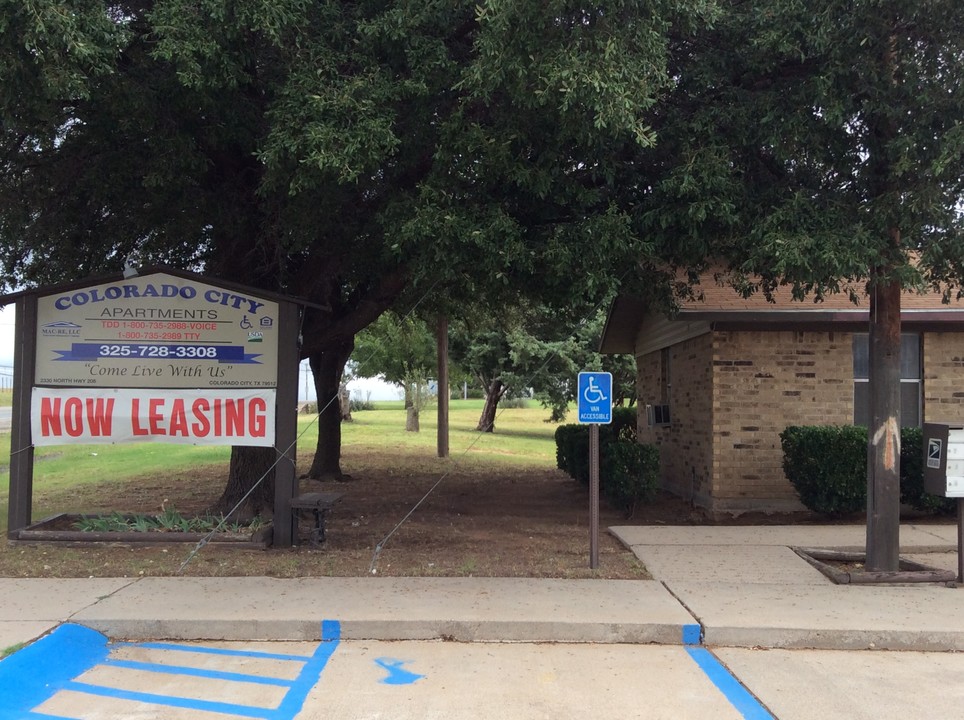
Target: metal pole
593,496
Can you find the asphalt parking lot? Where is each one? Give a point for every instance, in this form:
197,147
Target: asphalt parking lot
77,674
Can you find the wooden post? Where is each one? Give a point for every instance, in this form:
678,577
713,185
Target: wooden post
286,425
443,386
20,509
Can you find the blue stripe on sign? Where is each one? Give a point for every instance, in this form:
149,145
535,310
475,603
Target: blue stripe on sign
747,705
692,634
33,675
196,672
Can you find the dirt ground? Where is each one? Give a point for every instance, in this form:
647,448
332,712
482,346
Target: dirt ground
423,522
509,523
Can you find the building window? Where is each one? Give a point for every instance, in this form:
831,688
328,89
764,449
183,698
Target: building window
910,379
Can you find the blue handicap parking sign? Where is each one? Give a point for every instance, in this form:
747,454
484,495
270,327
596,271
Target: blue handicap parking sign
594,397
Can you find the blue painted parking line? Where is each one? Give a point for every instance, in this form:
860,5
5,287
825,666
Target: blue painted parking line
173,701
692,634
36,673
741,698
734,691
196,672
217,651
53,664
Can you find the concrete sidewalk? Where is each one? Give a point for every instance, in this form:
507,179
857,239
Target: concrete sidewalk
732,586
746,587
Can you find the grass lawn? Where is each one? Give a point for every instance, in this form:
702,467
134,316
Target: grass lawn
497,507
66,476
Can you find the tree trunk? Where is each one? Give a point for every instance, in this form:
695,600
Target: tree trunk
493,394
411,406
248,466
411,419
327,367
883,445
344,403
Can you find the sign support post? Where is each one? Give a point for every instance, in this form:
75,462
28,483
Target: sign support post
20,508
595,406
594,496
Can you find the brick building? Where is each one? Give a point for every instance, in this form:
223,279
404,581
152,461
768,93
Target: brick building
719,381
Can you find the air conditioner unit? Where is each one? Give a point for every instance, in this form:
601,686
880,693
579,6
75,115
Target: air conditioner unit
657,415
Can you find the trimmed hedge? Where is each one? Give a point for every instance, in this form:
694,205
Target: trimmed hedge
628,472
828,467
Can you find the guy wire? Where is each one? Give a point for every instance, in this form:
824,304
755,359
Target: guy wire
224,519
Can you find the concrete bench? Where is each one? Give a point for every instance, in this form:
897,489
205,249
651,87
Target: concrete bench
319,504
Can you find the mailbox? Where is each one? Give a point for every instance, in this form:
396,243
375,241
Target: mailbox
944,459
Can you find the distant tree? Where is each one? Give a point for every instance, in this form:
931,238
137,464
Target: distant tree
402,351
535,348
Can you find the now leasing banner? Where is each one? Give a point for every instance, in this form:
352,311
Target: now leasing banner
243,416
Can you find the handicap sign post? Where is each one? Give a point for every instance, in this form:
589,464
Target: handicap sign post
594,404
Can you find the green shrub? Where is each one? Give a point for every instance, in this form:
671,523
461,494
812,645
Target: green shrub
628,472
623,425
514,403
563,437
357,404
828,467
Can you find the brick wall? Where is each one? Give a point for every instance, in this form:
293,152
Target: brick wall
944,377
763,382
733,392
686,444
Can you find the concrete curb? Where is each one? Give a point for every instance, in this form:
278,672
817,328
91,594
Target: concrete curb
462,609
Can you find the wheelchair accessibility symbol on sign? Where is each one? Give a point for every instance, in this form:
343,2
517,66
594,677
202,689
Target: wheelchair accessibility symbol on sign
594,397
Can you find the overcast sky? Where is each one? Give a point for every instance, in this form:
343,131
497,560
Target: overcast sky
7,314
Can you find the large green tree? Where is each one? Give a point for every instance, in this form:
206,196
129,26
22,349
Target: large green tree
821,145
342,152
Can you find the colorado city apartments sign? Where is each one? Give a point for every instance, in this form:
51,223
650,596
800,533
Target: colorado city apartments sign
157,358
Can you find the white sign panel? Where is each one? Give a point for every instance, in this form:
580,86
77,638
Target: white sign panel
197,417
158,330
